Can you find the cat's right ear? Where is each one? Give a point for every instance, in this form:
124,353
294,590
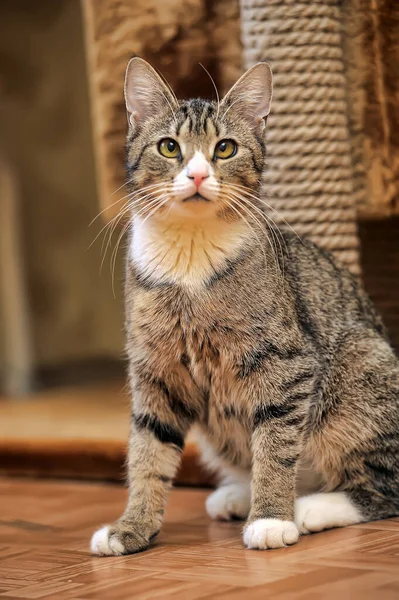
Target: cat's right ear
145,92
251,96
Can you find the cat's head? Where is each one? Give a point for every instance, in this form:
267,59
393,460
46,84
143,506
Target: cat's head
195,158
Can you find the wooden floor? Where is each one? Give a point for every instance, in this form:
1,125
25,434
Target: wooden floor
45,529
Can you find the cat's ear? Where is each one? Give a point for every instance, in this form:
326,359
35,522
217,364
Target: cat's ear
145,91
251,96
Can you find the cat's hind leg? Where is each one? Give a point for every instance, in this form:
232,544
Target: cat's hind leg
229,502
232,498
324,511
354,442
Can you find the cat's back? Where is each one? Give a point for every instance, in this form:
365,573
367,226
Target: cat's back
328,295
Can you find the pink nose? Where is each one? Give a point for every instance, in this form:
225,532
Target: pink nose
198,178
198,169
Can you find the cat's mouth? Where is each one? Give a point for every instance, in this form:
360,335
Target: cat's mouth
196,198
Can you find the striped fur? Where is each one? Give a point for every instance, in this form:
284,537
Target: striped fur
267,346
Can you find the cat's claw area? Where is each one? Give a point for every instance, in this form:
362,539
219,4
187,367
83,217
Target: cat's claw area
116,541
265,534
229,502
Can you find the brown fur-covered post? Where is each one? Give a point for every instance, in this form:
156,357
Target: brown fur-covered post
257,338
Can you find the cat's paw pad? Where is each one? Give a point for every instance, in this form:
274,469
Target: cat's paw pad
229,502
116,540
270,533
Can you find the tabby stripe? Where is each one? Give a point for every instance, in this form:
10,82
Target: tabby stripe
268,412
252,361
300,378
148,284
294,421
380,470
184,110
257,167
177,406
288,461
230,266
133,167
162,431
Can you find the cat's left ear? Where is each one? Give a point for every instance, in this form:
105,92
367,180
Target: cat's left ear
145,92
251,96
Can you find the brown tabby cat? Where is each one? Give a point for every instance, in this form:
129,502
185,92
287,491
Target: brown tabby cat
271,349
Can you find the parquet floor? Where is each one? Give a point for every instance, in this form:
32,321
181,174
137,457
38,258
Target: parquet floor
45,528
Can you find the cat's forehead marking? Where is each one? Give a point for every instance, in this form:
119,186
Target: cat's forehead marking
196,129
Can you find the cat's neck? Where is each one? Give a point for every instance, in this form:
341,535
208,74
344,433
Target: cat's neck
188,252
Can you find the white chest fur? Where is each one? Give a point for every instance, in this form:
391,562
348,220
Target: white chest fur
188,253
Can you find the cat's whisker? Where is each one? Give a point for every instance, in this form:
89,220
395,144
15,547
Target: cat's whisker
108,228
264,215
249,207
274,231
129,198
214,85
269,207
113,203
109,237
115,222
153,188
114,254
246,221
154,210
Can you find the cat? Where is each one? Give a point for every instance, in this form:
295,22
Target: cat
266,345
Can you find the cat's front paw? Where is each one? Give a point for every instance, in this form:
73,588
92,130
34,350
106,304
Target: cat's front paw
270,533
118,539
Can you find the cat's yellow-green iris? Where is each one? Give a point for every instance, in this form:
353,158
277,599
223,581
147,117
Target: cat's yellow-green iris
225,149
169,148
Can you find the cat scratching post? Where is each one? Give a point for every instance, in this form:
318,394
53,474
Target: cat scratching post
309,174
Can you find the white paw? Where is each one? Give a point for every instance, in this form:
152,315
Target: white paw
103,544
270,533
324,511
229,502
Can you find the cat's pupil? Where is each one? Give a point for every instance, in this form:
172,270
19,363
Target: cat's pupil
222,146
171,146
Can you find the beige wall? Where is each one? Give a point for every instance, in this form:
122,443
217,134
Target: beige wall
45,131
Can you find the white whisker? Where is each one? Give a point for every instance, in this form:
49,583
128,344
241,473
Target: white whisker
214,85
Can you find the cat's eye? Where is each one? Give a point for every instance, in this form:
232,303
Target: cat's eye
225,149
169,148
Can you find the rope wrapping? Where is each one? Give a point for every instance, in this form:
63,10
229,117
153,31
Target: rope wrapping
308,179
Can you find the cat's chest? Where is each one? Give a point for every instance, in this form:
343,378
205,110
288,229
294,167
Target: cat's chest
197,337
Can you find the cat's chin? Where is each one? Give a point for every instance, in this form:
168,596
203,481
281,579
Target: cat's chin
196,198
195,207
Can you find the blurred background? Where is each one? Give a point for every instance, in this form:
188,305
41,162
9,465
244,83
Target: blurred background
333,173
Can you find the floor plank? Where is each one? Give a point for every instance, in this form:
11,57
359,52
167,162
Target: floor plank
45,527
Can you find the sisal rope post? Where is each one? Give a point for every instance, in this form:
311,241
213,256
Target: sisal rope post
308,179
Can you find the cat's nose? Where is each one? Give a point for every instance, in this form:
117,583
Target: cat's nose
198,169
197,178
